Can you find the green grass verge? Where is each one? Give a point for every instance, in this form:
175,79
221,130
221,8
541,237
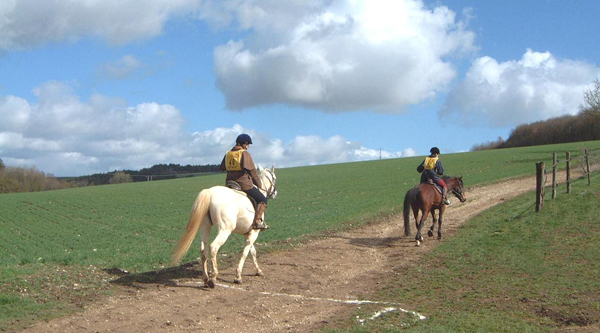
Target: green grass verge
88,234
507,270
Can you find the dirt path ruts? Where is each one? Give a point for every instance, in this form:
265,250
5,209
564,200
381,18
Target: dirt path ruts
298,290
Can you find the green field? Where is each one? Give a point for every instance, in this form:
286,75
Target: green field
58,248
509,269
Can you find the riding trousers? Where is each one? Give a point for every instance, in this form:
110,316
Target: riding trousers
430,174
441,182
256,195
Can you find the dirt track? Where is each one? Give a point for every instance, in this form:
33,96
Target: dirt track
303,288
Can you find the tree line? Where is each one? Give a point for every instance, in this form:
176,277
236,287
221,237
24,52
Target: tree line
14,179
585,126
29,180
156,172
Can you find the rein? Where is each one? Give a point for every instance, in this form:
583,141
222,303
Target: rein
458,194
454,191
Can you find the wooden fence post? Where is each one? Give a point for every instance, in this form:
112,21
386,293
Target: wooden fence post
568,172
554,165
587,166
539,186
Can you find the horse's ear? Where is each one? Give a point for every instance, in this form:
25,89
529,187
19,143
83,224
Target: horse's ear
273,168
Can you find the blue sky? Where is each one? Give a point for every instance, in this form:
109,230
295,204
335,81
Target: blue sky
97,86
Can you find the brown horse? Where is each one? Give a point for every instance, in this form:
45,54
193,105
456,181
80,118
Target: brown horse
426,198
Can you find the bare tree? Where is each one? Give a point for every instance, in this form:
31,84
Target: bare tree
120,177
591,100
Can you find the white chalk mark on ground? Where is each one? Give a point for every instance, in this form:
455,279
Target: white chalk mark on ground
356,301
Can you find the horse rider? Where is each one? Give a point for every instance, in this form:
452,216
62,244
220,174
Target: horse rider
240,168
431,169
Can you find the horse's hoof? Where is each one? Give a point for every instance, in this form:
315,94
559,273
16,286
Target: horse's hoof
260,273
237,281
211,284
439,237
430,233
418,244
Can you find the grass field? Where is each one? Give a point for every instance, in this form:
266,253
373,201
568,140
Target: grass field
58,248
507,270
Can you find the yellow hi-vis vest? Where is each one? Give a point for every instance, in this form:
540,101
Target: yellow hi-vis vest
430,162
233,161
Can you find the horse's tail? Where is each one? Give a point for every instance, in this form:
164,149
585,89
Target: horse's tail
411,196
199,210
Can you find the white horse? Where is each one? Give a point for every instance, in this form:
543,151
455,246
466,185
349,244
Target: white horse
229,211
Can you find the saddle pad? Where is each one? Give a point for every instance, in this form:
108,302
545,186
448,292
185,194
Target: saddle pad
233,185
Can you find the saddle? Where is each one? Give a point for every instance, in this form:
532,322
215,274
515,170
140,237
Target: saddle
236,187
436,186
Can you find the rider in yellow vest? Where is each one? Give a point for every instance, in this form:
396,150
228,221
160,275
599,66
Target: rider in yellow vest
431,169
240,168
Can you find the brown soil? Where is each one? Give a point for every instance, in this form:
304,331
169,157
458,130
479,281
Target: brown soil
304,288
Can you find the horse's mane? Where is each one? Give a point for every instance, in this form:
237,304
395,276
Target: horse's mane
447,178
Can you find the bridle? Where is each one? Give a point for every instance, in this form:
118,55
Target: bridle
458,193
272,189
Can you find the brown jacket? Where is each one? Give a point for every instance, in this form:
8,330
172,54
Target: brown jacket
248,177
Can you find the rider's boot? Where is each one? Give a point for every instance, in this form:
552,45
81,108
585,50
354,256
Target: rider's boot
445,200
258,217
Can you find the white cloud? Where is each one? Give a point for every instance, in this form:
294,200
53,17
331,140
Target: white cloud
338,55
65,136
536,87
29,23
335,55
122,68
14,112
313,150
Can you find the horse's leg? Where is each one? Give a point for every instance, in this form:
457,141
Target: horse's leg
205,237
214,250
259,271
430,232
250,238
424,216
416,215
442,209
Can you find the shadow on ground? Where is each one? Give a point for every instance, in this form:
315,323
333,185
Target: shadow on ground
167,276
373,242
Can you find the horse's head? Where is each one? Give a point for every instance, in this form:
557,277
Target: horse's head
269,181
456,186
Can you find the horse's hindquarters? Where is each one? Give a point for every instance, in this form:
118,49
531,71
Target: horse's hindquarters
231,210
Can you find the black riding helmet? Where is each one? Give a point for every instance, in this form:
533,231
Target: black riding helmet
243,139
434,150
